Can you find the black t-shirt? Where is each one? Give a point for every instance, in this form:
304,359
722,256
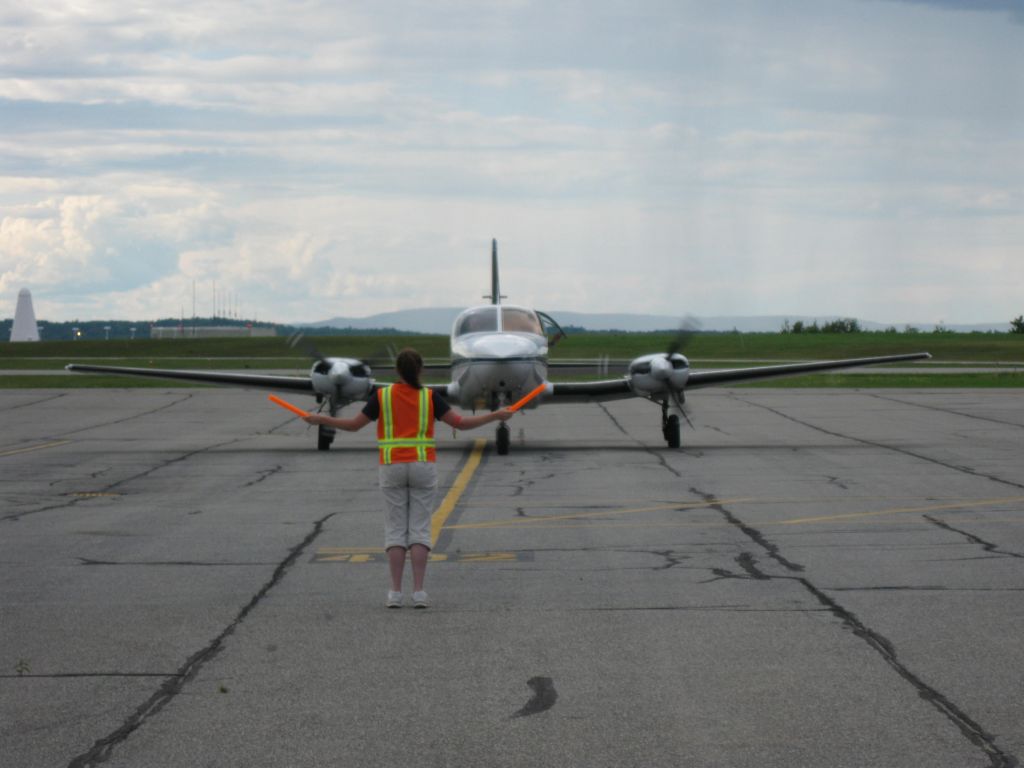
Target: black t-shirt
441,407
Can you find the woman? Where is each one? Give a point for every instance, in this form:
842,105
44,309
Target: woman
405,413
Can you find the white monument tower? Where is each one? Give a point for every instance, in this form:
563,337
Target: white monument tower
24,328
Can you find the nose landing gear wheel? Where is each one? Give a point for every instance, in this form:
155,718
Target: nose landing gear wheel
324,438
503,439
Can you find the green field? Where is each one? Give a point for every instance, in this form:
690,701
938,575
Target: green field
704,350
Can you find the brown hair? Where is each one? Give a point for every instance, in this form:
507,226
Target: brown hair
409,363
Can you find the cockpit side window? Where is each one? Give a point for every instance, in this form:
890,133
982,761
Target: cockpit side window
482,320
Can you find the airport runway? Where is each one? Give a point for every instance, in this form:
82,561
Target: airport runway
817,578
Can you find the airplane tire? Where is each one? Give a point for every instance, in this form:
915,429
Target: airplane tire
672,431
503,439
324,438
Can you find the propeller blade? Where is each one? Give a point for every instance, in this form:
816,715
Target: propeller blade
299,337
688,328
681,407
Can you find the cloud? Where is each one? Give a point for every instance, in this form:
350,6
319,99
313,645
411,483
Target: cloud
347,159
1015,7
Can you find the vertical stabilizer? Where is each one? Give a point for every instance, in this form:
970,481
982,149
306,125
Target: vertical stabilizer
495,290
25,327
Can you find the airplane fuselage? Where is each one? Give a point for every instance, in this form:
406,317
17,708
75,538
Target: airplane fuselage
498,354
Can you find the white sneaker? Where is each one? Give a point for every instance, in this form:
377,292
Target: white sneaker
419,599
394,599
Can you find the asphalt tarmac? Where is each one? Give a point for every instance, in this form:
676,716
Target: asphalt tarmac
817,578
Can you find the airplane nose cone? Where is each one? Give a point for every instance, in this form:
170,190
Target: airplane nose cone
501,346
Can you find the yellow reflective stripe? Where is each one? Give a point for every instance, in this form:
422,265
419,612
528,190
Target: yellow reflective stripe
407,442
387,414
424,414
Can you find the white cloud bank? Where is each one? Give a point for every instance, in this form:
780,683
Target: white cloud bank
847,157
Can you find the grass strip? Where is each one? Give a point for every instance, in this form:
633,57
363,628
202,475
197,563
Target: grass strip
826,380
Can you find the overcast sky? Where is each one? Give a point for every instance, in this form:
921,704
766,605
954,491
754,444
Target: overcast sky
807,157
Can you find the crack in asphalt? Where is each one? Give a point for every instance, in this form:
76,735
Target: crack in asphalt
263,475
123,419
164,464
988,546
971,730
89,561
282,425
833,480
750,532
105,489
948,410
102,749
60,675
661,459
33,402
884,446
967,726
925,588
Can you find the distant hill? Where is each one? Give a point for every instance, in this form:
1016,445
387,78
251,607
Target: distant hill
440,319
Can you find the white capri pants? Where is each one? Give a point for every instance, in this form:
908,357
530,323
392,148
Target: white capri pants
408,490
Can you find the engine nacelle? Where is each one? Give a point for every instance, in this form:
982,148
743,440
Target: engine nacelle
658,373
341,378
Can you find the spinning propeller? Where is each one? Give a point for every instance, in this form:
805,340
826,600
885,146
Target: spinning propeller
688,328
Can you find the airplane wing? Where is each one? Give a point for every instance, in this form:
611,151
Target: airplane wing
731,375
251,380
617,389
590,391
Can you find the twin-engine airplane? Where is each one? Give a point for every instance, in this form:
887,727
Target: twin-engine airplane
499,352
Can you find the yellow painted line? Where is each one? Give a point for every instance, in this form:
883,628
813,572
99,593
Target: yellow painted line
435,557
488,557
455,492
683,505
903,510
34,448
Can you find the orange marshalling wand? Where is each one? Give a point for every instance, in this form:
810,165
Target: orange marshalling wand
524,400
285,404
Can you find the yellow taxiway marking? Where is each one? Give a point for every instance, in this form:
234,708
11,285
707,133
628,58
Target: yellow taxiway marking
681,505
903,510
455,492
587,518
54,444
329,555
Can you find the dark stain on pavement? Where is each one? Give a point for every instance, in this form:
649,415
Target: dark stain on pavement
544,697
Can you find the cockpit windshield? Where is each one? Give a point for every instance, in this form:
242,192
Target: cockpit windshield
518,320
485,320
479,320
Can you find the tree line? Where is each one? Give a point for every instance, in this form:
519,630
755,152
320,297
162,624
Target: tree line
850,325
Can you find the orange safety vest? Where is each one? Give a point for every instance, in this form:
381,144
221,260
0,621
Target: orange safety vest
405,428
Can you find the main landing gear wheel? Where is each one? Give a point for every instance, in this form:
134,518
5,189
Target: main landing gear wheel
671,431
669,426
503,438
324,438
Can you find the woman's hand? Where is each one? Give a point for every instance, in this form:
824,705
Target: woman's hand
504,414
